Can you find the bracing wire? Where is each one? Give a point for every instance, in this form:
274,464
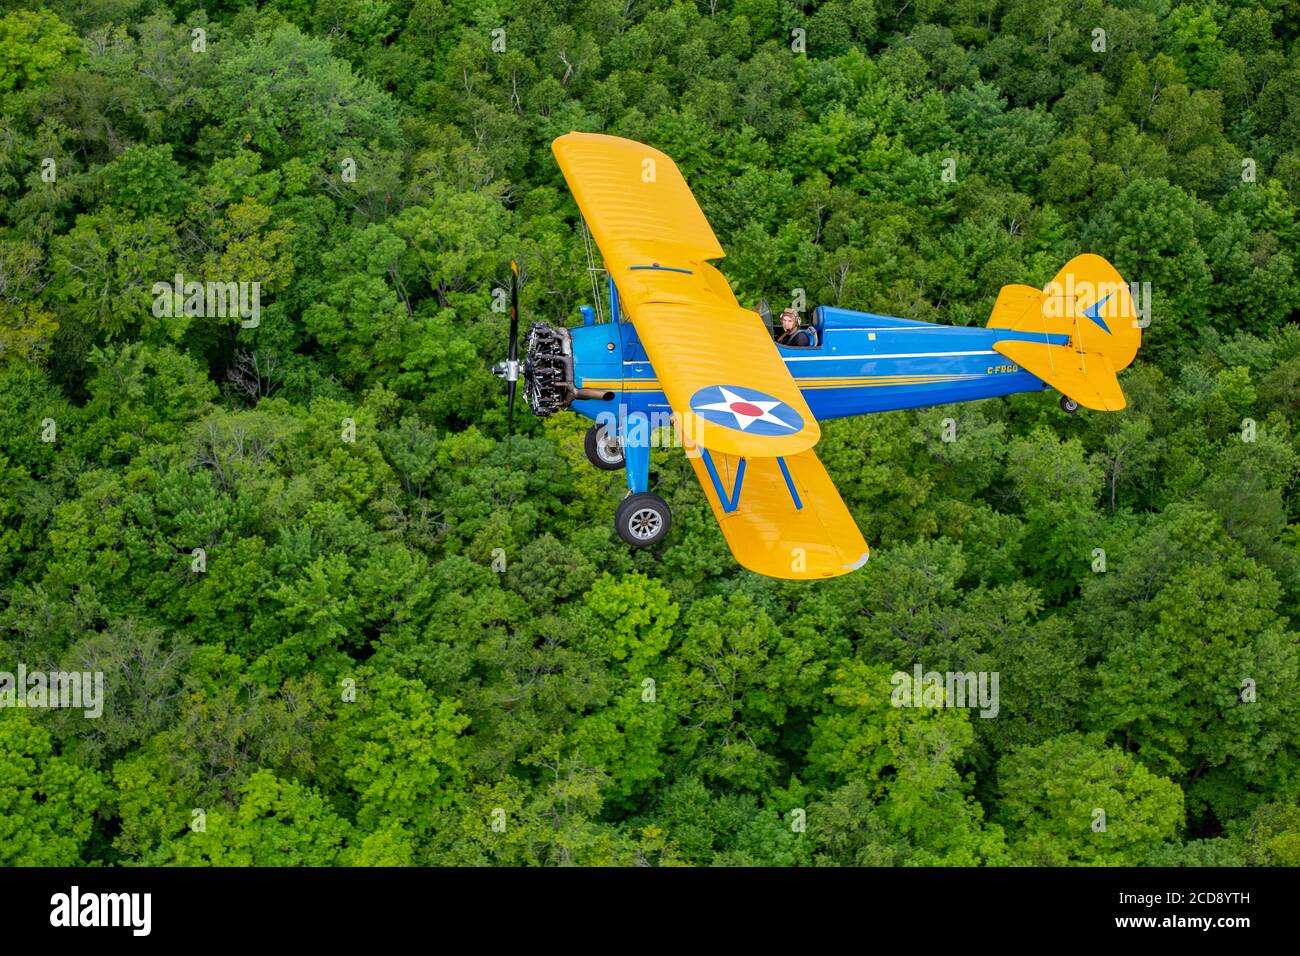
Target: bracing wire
592,271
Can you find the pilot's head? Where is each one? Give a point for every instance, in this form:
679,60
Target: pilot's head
789,320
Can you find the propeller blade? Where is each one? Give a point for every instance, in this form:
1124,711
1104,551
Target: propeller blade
514,310
510,407
512,361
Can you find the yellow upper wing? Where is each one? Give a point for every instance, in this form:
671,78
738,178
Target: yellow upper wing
656,242
633,198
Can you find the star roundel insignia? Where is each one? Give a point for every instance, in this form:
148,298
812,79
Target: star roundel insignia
745,409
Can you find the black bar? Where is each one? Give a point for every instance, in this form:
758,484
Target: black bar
917,905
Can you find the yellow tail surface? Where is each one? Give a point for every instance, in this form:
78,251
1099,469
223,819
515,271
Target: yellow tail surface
1087,301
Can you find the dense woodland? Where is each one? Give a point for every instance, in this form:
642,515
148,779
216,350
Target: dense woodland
349,680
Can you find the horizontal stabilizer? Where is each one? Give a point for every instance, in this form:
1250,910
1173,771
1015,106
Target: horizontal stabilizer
1016,304
1088,379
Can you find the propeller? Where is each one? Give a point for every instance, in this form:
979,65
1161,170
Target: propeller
512,358
509,369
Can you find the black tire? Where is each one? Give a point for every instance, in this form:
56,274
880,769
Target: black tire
643,519
599,445
1069,404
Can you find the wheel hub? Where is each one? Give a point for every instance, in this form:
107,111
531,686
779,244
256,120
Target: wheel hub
645,523
609,448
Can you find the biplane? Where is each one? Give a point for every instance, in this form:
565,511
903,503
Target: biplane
677,347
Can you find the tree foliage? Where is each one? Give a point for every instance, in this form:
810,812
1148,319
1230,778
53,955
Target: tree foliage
344,617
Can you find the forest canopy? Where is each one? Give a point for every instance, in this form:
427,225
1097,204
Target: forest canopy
343,620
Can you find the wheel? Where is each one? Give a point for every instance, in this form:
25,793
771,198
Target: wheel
603,450
1069,404
643,519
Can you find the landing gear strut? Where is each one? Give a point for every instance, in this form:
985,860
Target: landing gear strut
604,450
643,519
1069,404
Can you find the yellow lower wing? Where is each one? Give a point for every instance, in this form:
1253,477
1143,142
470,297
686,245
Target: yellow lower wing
767,532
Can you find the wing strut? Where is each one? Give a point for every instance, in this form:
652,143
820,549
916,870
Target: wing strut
729,501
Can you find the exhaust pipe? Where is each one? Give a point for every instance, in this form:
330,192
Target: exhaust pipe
589,395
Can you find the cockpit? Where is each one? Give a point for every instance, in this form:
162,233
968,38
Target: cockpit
791,331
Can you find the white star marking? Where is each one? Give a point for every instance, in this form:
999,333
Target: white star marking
744,419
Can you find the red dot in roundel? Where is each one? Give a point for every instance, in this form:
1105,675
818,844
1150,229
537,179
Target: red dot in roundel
744,408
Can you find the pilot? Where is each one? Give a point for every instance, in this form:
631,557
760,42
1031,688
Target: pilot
791,335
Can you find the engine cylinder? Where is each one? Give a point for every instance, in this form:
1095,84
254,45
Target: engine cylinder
548,369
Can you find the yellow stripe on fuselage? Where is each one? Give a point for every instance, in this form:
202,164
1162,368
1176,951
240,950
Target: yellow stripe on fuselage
812,381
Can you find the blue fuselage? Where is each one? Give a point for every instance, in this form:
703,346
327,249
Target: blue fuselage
862,363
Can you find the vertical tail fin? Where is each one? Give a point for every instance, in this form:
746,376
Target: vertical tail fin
1075,334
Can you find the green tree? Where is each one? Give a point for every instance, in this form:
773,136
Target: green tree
34,44
48,803
1074,800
